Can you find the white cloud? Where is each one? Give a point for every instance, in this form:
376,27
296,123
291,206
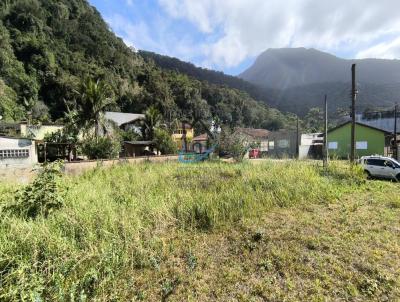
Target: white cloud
131,32
129,2
249,27
385,50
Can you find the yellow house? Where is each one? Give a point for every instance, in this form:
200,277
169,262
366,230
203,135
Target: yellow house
38,132
183,133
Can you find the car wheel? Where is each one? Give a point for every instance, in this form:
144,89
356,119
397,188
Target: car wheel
398,177
367,174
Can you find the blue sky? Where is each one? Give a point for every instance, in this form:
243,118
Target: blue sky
228,35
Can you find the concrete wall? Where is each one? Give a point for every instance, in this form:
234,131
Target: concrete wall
40,131
18,144
17,175
282,144
24,175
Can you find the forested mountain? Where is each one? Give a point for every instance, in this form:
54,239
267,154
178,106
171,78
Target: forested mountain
48,48
211,76
303,76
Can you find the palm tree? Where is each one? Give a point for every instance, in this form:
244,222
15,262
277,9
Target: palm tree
152,120
94,98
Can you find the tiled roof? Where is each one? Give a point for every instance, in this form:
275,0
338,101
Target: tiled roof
201,137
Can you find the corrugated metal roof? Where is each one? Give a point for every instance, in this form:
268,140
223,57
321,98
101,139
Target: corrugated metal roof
121,118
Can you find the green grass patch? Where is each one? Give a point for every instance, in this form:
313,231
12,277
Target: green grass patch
211,231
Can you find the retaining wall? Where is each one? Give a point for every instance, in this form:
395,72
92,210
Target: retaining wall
25,175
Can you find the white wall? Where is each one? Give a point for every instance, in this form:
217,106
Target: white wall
18,144
303,151
308,138
39,131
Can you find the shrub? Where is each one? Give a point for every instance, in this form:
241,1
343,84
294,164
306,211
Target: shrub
42,196
101,148
233,144
164,142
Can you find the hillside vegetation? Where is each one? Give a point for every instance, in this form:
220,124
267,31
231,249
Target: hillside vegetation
49,48
205,232
211,76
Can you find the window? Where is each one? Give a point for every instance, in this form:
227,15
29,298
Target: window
333,145
375,162
361,145
271,145
264,146
389,164
283,143
18,153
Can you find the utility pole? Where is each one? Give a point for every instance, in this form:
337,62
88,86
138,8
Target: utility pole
325,151
395,150
353,113
297,139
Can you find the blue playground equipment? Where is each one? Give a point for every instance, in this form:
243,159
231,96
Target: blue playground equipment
192,157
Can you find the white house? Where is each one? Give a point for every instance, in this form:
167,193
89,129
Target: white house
17,152
311,145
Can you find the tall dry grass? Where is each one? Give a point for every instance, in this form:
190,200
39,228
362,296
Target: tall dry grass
113,220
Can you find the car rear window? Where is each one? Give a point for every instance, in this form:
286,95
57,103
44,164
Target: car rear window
375,162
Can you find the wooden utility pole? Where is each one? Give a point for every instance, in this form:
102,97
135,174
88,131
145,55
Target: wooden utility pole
353,113
325,151
297,139
395,150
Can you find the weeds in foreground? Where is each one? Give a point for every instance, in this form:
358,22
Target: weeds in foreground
124,233
43,196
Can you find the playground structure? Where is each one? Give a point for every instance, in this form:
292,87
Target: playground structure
193,157
190,155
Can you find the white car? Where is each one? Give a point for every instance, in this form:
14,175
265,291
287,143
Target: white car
380,166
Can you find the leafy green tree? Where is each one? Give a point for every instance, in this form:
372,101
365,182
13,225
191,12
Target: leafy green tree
10,110
95,96
129,136
43,196
12,70
151,122
232,143
101,147
164,142
70,133
40,112
314,120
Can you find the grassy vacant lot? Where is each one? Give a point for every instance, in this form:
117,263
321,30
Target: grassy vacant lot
276,231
